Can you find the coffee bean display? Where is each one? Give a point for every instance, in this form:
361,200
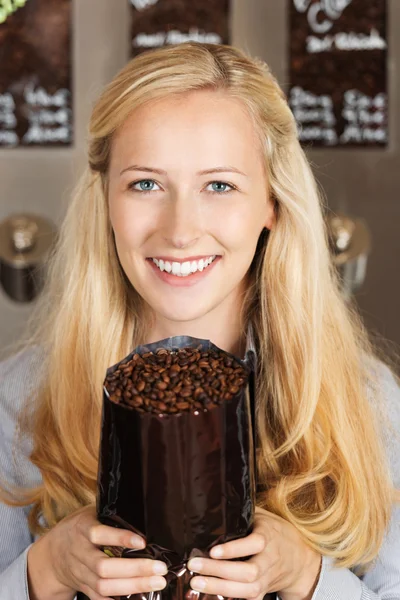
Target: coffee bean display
157,23
338,71
36,73
167,382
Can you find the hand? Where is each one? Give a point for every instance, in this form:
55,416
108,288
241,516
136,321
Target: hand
281,562
67,560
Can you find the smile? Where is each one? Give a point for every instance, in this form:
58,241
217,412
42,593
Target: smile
183,269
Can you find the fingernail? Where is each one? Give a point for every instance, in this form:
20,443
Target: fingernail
216,552
137,541
198,583
160,567
157,583
195,564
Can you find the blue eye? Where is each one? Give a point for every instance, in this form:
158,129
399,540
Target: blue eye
221,187
145,185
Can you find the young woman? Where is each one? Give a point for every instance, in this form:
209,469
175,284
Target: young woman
198,214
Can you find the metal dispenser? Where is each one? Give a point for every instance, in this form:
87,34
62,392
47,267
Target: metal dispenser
350,241
25,241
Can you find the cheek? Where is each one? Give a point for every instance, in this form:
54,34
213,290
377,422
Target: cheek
240,228
130,225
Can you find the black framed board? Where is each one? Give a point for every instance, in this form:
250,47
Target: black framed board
35,73
338,72
157,23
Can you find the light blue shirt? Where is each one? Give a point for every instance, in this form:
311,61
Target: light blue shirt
20,374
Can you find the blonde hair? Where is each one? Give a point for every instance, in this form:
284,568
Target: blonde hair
321,462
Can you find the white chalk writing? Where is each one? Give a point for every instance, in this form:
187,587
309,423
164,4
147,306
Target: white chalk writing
7,101
8,138
48,115
40,97
40,135
314,116
8,120
156,40
330,9
366,118
346,41
317,134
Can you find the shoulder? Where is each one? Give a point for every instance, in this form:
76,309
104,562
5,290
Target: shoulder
386,398
20,376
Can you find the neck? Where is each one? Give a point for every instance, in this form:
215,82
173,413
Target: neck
221,326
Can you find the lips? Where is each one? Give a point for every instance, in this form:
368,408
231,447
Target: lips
187,281
172,259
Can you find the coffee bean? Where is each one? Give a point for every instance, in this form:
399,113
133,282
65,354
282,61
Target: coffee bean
182,405
168,382
140,386
162,352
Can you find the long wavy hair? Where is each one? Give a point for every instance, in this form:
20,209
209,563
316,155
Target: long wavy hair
321,462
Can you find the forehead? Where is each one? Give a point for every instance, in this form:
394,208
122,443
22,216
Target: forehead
189,126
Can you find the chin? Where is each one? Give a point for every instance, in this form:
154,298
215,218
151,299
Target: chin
182,312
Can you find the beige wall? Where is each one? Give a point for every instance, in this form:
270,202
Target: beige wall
360,182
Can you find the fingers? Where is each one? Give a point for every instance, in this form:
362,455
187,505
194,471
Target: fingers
125,587
222,587
103,535
120,568
247,546
245,572
105,577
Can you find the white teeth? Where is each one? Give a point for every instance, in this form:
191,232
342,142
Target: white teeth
183,269
176,268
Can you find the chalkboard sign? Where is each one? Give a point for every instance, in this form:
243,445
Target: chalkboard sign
338,79
157,23
35,73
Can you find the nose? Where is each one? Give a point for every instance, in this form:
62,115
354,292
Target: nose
182,225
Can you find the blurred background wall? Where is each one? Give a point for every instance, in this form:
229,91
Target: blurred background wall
360,182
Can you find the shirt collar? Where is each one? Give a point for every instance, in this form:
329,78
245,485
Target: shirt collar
250,342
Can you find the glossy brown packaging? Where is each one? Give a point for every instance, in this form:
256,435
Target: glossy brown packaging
185,482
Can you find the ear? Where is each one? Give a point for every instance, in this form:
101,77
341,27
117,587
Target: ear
270,218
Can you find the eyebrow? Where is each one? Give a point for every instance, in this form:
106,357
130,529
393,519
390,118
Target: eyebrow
205,172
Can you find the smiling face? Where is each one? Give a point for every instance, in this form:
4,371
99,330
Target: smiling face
187,187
